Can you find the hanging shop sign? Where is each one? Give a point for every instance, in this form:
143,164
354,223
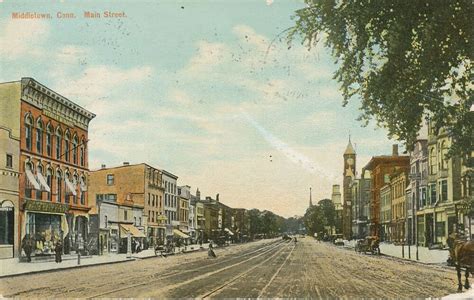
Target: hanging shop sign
33,205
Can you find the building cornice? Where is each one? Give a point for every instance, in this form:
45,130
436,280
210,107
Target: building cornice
54,105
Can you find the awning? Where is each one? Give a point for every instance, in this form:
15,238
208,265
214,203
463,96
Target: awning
32,179
134,231
177,232
43,182
228,231
70,187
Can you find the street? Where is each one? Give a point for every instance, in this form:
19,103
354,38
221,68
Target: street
266,268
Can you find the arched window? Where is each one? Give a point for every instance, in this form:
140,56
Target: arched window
49,137
39,136
67,145
28,132
74,149
59,186
82,152
29,186
49,181
68,187
83,189
75,181
39,192
58,142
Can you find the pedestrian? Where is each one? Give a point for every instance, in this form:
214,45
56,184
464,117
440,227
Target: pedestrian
137,247
134,245
58,249
210,252
27,244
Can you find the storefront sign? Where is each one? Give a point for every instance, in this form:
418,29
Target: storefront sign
33,205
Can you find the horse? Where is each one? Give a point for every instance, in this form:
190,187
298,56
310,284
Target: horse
462,256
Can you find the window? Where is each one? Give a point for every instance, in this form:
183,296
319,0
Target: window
74,150
444,190
68,193
433,161
9,161
58,143
82,189
125,215
99,197
49,182
112,197
49,137
67,146
140,221
135,221
153,201
106,222
59,189
110,179
28,133
39,137
148,198
39,192
6,225
74,184
443,158
81,154
433,194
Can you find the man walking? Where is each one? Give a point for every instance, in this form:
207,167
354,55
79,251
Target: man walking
27,247
58,249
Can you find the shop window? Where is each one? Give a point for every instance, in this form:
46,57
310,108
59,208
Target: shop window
9,161
6,225
46,231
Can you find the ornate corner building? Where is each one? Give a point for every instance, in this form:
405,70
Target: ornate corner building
52,166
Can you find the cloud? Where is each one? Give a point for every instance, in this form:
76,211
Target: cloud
208,56
23,38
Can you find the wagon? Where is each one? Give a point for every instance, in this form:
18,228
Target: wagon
369,244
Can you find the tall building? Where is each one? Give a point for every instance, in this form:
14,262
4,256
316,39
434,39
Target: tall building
128,199
444,189
53,165
417,193
184,196
398,184
360,189
336,200
380,168
348,175
9,168
171,202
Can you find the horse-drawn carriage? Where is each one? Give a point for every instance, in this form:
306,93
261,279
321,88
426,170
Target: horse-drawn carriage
369,244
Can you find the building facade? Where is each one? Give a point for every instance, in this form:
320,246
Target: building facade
121,195
171,202
380,168
398,184
385,233
360,189
417,200
444,189
184,196
9,169
53,164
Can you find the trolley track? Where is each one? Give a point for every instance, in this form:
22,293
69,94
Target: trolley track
180,273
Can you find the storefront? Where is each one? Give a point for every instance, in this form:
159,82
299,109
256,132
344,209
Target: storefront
46,224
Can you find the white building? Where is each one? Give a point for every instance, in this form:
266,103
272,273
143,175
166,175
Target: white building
171,201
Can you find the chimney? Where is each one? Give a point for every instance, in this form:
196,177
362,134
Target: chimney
394,150
126,163
102,166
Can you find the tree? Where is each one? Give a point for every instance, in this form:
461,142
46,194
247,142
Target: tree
406,60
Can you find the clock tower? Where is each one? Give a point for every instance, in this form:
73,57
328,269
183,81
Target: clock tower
348,175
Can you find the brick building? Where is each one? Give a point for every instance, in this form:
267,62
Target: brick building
53,167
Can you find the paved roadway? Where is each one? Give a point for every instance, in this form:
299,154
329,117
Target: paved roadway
269,268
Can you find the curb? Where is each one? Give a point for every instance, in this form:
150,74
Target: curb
92,265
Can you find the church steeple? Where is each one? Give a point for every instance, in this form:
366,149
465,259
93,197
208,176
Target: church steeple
349,148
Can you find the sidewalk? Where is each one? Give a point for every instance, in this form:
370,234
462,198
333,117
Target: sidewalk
12,266
425,255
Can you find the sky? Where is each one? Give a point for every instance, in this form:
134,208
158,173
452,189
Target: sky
207,90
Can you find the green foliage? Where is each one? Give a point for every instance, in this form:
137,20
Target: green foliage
317,217
406,60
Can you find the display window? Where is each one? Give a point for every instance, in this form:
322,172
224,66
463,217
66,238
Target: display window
46,230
